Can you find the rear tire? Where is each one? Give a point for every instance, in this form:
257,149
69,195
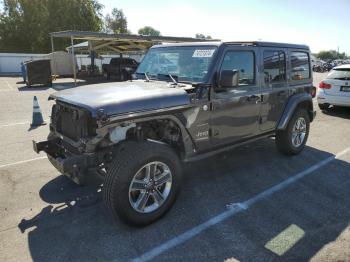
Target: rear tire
323,106
123,200
292,140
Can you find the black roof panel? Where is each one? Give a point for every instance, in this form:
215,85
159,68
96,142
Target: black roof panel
269,44
239,43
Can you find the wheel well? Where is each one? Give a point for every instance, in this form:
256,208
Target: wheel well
308,106
160,130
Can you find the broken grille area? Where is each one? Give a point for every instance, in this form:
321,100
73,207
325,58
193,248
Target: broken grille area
72,122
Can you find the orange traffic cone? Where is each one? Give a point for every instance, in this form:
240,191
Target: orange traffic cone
37,119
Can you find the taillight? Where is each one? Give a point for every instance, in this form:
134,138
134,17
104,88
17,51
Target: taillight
323,85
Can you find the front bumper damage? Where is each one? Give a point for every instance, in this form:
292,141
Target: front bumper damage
75,166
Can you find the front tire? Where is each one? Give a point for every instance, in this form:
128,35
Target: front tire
292,140
142,182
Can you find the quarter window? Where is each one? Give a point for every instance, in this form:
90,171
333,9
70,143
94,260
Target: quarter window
274,67
243,61
300,66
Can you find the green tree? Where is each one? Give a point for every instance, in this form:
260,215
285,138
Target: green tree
147,30
116,22
25,24
331,54
201,36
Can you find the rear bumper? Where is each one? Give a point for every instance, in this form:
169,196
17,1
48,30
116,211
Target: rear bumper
73,166
333,100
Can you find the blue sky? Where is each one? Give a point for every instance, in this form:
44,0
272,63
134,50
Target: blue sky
319,24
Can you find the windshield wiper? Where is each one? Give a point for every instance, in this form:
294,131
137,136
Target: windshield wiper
146,76
172,79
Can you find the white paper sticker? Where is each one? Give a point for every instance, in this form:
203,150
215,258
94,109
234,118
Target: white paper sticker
203,53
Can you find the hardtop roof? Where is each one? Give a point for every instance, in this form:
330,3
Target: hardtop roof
238,43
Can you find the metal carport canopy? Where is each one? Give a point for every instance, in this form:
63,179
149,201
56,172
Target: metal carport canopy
121,43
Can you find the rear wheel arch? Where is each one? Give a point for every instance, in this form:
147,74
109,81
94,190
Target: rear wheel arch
308,106
292,140
295,102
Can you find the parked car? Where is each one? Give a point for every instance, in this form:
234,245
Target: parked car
335,89
319,68
135,134
121,68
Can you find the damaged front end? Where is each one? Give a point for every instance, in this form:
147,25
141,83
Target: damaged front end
72,142
81,146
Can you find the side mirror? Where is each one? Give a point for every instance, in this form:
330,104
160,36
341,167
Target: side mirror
228,78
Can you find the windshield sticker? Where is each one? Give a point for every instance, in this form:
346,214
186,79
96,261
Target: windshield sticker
203,53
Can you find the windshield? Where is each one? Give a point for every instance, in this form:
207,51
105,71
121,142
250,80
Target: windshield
341,74
183,63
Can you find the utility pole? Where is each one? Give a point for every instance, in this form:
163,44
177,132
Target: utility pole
338,53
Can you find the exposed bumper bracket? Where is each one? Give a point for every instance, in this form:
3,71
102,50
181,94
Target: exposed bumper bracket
72,165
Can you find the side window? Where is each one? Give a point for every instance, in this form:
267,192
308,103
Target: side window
300,68
274,67
243,61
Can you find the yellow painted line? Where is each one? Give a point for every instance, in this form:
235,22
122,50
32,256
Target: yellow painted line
285,240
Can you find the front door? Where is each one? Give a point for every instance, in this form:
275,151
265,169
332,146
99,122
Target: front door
235,111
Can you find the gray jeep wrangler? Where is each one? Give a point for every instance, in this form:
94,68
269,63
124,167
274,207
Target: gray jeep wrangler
187,101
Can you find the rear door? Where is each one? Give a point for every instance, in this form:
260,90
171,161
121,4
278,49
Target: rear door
274,86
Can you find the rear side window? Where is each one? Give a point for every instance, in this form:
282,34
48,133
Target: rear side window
340,74
300,66
243,61
274,67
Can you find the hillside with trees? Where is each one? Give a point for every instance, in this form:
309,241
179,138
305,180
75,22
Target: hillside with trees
25,25
331,55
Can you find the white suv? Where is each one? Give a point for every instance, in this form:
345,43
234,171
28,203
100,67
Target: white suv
335,89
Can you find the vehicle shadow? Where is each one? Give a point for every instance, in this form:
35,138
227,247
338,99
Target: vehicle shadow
75,226
55,86
337,111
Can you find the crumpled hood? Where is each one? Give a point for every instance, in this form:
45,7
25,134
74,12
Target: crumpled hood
123,97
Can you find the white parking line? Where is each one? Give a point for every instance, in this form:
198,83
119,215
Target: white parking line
233,209
14,124
8,84
21,123
22,162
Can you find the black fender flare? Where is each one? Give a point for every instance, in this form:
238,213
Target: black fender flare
295,101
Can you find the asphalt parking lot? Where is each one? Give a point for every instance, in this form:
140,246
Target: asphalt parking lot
250,204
